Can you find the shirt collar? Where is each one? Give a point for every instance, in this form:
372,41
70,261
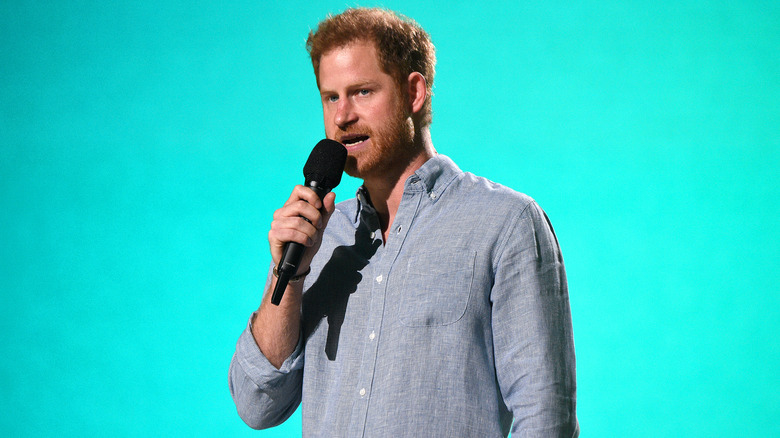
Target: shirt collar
363,203
433,177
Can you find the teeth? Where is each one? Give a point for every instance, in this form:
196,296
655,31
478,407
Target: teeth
355,140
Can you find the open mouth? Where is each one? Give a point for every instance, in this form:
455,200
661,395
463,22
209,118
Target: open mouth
353,140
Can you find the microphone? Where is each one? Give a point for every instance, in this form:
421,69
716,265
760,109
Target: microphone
322,173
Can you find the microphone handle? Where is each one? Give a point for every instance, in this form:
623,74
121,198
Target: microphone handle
292,255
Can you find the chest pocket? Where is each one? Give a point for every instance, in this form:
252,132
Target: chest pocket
437,286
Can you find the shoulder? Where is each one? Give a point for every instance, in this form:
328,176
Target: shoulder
513,218
485,193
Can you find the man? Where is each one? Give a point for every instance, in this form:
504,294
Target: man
435,302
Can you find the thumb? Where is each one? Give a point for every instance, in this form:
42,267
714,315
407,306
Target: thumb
329,205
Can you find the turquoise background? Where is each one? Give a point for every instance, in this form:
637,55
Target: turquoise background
145,146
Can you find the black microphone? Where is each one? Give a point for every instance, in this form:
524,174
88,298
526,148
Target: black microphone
322,173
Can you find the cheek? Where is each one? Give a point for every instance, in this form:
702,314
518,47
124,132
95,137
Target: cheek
328,121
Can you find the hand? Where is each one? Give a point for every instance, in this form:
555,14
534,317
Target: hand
289,224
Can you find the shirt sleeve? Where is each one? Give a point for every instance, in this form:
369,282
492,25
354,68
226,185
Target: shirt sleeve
264,396
532,330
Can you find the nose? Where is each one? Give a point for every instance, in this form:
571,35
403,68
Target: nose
345,114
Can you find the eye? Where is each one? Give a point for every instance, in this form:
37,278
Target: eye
332,98
364,92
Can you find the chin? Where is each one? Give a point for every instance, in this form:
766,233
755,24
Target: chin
351,167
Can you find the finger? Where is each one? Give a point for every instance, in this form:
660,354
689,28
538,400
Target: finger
306,194
296,224
329,204
279,238
299,208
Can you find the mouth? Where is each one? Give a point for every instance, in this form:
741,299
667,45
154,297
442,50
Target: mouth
353,141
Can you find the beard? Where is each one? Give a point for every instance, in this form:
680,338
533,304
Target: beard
392,148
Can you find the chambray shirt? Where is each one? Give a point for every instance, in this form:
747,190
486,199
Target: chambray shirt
456,326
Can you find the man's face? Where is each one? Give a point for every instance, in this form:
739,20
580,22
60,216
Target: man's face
364,110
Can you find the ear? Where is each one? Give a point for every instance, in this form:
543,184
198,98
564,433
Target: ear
417,91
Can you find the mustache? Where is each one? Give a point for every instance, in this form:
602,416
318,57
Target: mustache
352,132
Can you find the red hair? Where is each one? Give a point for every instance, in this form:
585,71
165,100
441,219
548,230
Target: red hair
402,45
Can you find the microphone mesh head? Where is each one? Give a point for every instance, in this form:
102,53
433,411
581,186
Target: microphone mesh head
325,164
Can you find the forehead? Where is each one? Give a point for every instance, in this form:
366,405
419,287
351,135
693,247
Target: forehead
355,62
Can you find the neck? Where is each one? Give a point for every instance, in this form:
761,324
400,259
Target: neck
387,189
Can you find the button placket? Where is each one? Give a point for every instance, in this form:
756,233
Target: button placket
383,265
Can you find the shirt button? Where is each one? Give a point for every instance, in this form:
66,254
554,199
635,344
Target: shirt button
373,235
372,336
362,392
432,195
398,230
379,279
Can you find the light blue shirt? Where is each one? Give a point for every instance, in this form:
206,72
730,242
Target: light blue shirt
456,326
